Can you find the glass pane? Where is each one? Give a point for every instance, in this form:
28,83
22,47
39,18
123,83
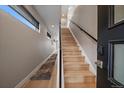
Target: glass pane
13,13
118,13
27,15
119,63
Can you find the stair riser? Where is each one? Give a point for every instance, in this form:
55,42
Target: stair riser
74,63
68,38
73,59
65,45
79,65
71,50
69,43
70,46
90,79
71,53
69,68
67,48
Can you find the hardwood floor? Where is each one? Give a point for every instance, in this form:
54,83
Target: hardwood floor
37,84
76,71
48,83
43,83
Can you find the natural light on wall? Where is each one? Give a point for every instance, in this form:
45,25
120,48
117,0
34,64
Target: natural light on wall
71,10
13,13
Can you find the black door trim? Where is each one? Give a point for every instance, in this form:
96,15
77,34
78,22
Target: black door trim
111,23
111,44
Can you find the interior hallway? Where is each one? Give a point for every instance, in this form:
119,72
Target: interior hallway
25,48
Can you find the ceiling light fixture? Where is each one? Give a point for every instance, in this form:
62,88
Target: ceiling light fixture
52,26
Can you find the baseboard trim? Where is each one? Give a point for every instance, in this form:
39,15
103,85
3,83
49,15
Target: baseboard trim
91,68
23,82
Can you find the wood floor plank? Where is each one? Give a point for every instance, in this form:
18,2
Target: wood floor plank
37,84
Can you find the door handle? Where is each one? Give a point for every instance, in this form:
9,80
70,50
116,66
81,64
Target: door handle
99,63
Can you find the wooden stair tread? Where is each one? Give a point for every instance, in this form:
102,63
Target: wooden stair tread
72,56
70,47
67,44
37,84
79,78
68,38
80,85
76,67
80,72
71,50
74,48
67,54
84,79
71,60
75,63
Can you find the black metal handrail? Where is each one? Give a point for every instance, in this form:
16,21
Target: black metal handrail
60,55
84,31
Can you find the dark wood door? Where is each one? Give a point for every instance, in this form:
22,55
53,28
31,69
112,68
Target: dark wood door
110,49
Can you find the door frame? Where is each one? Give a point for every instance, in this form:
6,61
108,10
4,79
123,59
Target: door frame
107,28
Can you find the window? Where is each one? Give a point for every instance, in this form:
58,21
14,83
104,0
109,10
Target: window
22,14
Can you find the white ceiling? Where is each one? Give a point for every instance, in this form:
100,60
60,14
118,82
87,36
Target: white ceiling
51,14
64,10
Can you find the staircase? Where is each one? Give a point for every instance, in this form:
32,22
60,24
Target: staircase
76,71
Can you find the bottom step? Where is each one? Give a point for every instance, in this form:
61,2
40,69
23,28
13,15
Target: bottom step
80,85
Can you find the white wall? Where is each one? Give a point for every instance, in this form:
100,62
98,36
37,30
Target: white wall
21,49
86,17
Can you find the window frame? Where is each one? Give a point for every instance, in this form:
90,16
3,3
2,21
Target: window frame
111,23
26,13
